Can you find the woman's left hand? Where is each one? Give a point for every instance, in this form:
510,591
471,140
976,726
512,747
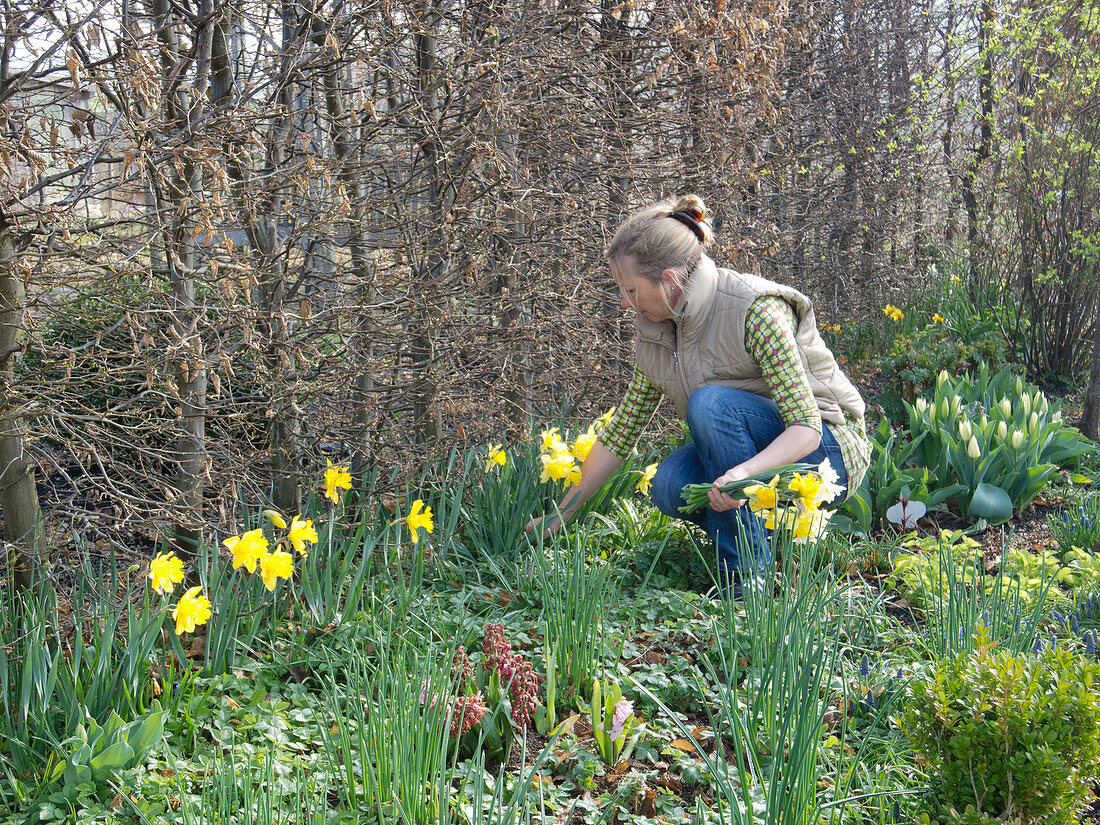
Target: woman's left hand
719,501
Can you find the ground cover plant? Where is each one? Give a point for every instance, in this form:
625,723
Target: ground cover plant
413,656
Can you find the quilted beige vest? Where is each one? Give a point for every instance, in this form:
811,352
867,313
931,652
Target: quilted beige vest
706,343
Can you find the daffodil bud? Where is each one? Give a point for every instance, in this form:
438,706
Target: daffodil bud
964,430
1017,439
1002,430
973,450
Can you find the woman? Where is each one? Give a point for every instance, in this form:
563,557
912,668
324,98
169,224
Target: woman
742,359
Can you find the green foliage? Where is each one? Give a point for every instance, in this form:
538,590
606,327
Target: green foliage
1077,526
1011,735
574,591
97,753
923,578
914,360
889,477
992,430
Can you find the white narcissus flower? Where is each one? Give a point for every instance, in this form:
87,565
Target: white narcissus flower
829,489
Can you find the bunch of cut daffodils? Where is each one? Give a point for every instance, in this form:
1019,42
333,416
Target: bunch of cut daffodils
560,459
788,497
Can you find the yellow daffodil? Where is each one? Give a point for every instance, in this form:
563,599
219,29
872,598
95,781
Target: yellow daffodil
937,318
336,478
803,525
166,571
601,422
276,518
556,467
583,444
275,566
807,487
893,313
419,516
247,549
574,476
301,531
192,610
646,481
763,497
496,457
552,443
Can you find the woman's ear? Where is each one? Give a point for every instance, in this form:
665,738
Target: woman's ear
671,277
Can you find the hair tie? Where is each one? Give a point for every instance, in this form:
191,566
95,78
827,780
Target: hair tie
691,222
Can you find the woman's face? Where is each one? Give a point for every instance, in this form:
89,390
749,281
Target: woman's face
643,295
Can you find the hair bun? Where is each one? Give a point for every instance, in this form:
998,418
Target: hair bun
691,205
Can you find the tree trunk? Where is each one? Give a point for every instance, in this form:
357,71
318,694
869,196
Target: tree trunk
18,496
1090,415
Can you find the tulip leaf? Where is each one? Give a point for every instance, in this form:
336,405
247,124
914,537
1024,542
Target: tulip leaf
991,503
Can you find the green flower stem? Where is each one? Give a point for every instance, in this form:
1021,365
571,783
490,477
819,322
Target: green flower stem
695,495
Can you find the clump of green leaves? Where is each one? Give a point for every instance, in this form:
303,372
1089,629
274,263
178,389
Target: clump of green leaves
921,574
915,359
891,476
1078,526
1012,737
997,436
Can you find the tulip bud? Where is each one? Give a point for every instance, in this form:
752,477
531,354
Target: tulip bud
964,430
1006,407
1002,430
1056,418
943,378
945,409
1026,401
985,423
1041,402
955,403
922,406
973,450
1019,386
1017,439
1033,422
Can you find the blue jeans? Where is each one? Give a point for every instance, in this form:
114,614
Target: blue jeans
729,427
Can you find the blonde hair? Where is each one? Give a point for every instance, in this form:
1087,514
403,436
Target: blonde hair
670,234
